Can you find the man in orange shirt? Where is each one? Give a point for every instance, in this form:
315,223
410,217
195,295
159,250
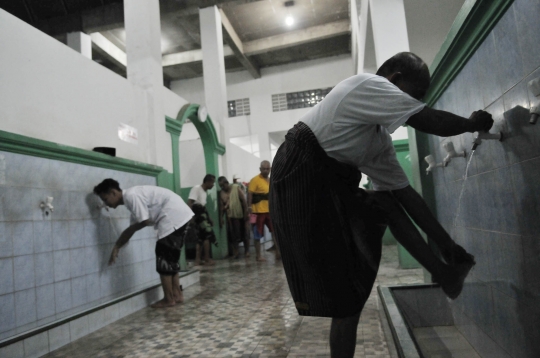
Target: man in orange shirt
258,190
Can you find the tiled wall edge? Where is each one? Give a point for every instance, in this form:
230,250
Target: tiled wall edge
405,345
47,341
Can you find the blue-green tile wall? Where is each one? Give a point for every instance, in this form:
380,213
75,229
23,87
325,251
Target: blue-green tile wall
499,216
55,266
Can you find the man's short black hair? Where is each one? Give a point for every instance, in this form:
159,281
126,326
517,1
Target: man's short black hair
106,186
221,179
208,178
413,69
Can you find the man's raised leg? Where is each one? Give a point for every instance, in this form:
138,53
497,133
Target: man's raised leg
451,277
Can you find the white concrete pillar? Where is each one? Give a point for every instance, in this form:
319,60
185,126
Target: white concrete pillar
389,28
144,69
362,35
80,42
264,146
215,86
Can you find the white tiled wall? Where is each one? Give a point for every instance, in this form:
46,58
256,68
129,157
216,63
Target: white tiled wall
61,258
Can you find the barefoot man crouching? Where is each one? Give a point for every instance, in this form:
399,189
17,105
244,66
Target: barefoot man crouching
170,215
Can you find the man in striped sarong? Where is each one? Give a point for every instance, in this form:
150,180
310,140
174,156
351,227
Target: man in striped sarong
329,230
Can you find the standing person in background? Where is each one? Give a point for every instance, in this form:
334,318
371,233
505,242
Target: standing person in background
240,184
152,205
197,203
233,205
258,190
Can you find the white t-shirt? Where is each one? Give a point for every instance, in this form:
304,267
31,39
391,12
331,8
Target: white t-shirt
353,125
198,194
162,207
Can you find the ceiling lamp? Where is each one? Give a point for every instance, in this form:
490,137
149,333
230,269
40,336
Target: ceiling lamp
289,20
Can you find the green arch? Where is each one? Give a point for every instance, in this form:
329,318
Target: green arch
212,149
211,145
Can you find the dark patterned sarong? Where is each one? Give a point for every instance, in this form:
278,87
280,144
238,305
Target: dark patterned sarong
168,252
330,239
202,224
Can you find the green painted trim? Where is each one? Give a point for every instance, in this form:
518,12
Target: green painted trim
174,127
16,143
206,129
475,21
472,25
165,180
401,145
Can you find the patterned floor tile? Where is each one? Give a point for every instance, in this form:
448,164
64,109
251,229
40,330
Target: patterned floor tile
239,309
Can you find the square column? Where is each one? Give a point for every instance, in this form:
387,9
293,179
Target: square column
215,85
144,70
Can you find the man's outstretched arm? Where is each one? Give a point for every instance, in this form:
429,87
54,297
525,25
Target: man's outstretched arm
446,124
124,238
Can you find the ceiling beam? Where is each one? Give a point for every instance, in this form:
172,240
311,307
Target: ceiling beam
267,44
295,38
111,16
189,56
106,48
237,47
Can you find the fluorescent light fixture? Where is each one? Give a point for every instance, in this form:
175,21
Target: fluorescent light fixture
289,20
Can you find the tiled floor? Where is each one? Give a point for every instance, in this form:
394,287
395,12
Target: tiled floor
240,309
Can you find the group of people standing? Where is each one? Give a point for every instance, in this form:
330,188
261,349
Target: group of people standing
247,213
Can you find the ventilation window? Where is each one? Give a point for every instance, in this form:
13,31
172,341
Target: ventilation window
238,107
294,100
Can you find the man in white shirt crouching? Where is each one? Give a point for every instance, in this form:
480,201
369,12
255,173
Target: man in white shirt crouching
170,215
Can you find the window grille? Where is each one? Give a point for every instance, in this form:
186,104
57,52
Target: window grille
302,99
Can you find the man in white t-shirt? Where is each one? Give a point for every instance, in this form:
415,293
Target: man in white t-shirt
170,216
197,202
329,230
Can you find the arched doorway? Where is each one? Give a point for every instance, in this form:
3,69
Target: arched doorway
212,149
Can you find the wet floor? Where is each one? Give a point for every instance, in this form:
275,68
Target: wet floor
240,308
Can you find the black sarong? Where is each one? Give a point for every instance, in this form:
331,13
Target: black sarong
168,251
330,239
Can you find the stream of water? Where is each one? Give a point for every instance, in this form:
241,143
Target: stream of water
461,193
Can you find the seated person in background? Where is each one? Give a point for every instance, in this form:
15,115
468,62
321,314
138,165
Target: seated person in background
170,216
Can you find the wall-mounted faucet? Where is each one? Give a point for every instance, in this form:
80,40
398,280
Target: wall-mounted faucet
449,147
485,135
431,163
47,206
534,87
